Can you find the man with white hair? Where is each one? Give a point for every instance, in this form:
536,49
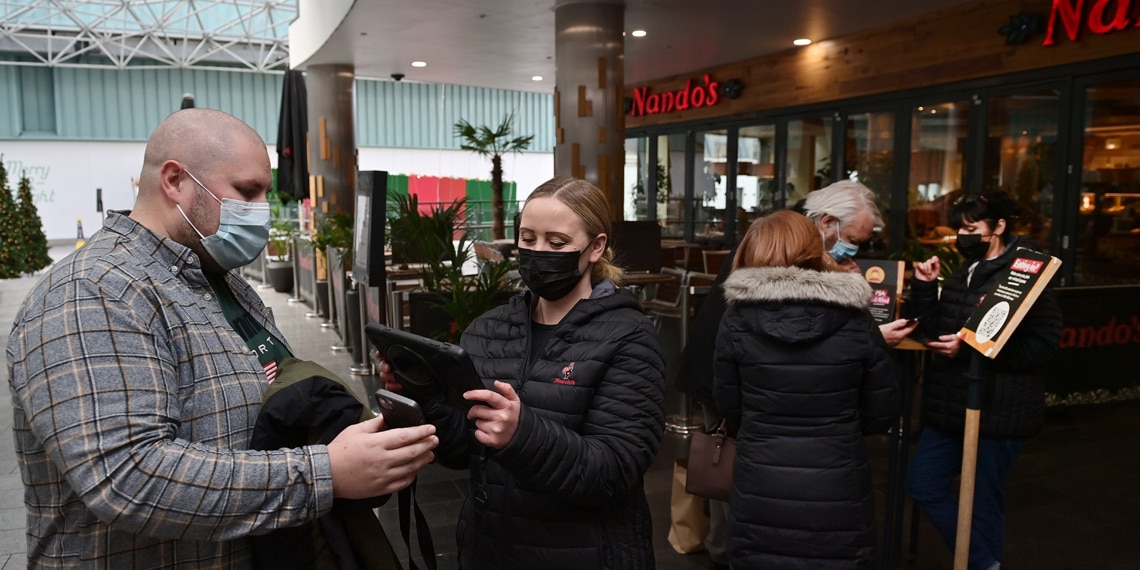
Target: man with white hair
846,215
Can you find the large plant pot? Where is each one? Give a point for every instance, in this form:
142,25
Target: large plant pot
279,275
323,298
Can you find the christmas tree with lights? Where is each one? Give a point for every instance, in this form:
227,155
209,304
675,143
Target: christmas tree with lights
11,237
35,242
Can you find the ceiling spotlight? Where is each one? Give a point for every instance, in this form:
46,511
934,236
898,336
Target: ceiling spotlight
536,78
638,33
802,42
419,64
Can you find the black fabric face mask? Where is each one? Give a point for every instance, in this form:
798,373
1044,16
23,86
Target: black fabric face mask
971,246
550,274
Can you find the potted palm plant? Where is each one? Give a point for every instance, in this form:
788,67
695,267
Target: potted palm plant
448,298
484,141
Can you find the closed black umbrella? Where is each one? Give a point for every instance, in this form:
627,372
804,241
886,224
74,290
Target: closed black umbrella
292,163
187,101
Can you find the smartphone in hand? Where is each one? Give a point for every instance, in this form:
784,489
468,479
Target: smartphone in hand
398,411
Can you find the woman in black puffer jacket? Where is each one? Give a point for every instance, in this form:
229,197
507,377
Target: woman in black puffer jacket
574,410
804,370
1013,390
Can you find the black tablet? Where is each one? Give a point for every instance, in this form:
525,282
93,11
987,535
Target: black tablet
428,370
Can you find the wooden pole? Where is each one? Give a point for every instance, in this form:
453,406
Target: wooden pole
969,462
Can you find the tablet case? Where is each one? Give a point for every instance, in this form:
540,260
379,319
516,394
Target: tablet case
428,370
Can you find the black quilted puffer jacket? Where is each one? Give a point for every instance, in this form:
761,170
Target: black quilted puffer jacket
567,491
1013,392
802,367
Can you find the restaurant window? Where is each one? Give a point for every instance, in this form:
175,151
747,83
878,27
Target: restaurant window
869,157
937,161
1108,229
711,200
1021,158
636,179
671,185
809,157
756,176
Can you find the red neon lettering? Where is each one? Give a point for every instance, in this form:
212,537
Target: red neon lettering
1097,25
1070,18
639,101
704,94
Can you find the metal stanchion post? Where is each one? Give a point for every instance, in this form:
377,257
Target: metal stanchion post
355,318
683,423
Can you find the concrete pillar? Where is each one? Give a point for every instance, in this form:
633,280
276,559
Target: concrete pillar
589,118
332,137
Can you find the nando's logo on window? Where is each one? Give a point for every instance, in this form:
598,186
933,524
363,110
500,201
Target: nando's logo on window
704,92
1100,17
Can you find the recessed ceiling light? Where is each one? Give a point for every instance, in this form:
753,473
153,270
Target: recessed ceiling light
802,42
536,78
638,33
419,64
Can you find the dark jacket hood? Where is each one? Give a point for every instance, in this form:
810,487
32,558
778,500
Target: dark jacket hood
794,302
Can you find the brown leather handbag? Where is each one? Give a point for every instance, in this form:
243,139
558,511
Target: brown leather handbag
711,455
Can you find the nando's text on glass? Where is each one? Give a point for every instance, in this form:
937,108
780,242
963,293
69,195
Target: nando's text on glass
702,93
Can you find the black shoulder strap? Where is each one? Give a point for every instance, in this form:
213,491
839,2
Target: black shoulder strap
406,503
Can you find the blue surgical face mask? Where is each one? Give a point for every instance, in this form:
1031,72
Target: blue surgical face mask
842,251
242,233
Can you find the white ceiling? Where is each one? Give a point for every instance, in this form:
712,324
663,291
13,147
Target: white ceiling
502,43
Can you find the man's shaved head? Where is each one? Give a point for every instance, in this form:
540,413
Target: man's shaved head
198,138
194,159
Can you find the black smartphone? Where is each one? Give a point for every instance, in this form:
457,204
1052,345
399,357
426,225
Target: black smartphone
911,321
398,411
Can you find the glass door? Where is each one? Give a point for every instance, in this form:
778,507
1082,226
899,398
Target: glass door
869,158
1108,220
1021,157
809,157
938,135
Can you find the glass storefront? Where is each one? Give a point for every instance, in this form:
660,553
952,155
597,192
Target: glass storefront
1108,227
997,138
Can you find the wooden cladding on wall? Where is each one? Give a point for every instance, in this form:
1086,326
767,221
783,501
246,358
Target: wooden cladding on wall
585,106
957,44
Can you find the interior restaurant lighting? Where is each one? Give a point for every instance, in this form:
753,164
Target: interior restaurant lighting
638,33
536,78
802,42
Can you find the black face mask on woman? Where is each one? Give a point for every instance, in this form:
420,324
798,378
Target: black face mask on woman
971,246
550,274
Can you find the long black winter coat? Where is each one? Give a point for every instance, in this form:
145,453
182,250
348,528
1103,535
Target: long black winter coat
803,367
1013,394
567,491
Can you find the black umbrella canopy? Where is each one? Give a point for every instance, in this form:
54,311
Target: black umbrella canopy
187,101
292,153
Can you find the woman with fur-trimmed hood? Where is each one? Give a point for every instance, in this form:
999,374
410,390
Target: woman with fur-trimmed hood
804,372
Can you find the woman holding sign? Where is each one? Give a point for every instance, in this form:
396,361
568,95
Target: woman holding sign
1013,402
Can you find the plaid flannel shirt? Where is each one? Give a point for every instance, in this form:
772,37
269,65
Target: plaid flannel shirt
134,401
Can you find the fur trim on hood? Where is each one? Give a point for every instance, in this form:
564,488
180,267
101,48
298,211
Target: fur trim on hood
792,284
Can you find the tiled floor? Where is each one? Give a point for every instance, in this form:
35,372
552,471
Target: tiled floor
1074,498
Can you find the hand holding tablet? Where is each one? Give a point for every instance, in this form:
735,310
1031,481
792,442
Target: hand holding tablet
427,369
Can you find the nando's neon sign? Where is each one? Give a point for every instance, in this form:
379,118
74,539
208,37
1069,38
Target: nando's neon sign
704,92
1102,17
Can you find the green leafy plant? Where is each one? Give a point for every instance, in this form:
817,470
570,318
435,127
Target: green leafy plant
484,141
914,251
281,240
662,185
426,238
334,231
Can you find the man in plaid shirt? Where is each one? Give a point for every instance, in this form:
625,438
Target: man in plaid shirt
137,367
